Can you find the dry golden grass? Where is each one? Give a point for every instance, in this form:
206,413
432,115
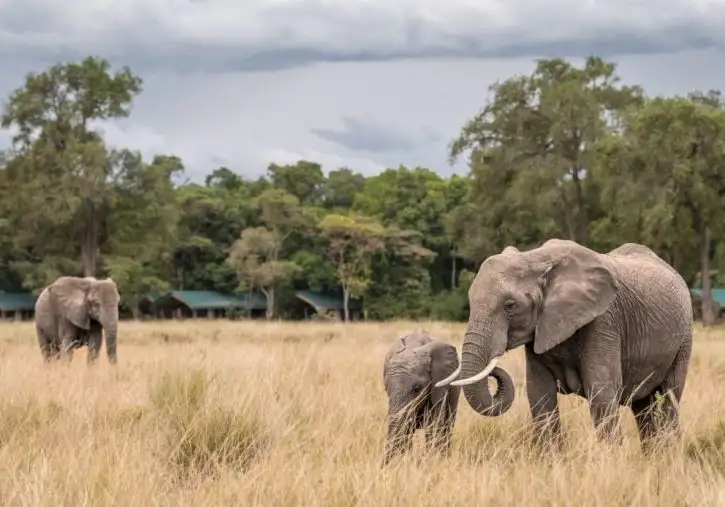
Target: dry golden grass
241,413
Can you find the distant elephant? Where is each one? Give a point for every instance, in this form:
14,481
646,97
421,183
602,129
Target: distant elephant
413,363
73,312
615,328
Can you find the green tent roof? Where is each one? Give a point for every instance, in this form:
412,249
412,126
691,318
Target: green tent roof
717,294
254,301
327,300
11,301
199,299
205,299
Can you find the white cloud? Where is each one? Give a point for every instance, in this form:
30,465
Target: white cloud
247,120
389,99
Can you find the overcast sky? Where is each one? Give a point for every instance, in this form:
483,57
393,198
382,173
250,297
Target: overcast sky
363,83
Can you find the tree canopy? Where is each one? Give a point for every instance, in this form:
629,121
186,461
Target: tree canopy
565,152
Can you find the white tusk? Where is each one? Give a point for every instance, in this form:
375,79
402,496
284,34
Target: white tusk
449,378
484,373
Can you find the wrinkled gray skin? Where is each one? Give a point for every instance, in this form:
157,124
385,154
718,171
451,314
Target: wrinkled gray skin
613,328
412,365
73,312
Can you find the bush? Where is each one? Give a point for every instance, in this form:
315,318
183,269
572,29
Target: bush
202,435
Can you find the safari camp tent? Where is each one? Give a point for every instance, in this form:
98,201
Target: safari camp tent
327,306
17,305
191,304
718,299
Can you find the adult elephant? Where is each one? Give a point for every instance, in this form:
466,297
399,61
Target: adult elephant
72,312
615,328
412,365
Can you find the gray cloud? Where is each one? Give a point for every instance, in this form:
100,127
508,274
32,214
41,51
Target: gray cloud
263,36
364,135
247,120
230,83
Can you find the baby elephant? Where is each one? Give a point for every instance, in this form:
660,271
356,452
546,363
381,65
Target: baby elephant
413,365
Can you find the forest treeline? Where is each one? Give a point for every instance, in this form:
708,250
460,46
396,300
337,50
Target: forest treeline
565,151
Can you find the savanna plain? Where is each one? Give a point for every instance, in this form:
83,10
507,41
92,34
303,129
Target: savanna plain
294,414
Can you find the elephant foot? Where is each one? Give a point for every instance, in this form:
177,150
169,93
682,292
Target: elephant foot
605,416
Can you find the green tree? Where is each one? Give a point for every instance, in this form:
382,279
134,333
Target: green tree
211,219
352,240
663,183
414,199
281,212
255,258
143,217
341,187
63,167
531,148
304,180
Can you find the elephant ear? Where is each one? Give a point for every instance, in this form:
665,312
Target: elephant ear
69,299
443,362
578,287
396,348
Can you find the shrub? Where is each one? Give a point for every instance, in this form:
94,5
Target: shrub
202,435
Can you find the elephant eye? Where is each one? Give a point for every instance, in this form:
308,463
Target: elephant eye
417,388
509,305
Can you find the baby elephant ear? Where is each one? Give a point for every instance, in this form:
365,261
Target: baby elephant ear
443,362
578,287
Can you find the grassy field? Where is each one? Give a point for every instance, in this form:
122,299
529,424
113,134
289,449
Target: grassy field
220,413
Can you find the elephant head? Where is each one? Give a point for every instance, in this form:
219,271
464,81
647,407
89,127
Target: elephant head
412,366
81,299
539,297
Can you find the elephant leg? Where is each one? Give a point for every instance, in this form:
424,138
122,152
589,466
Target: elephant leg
603,407
660,418
601,372
66,350
397,445
67,343
399,441
438,431
541,392
54,350
645,415
672,387
95,337
48,346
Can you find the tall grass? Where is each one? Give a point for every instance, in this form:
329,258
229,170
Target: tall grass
288,414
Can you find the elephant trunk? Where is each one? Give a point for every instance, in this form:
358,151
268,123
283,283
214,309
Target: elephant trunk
109,321
483,346
401,424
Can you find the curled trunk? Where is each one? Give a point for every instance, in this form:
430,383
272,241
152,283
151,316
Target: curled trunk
480,399
486,340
